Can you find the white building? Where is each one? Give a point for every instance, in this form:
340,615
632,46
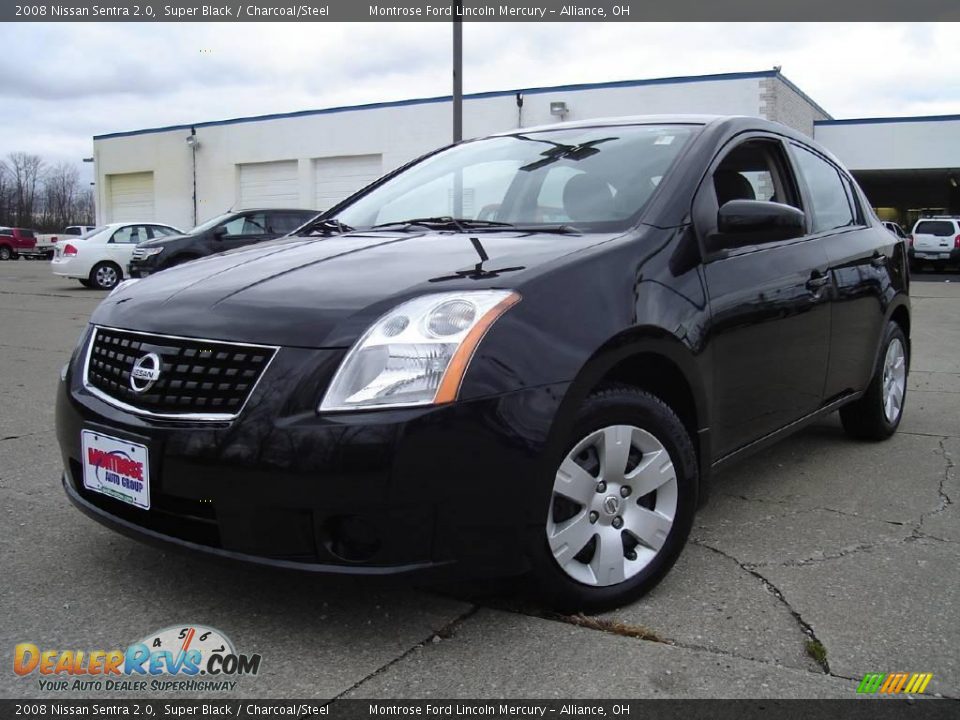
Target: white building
185,174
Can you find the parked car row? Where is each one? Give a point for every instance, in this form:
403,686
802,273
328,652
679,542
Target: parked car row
103,256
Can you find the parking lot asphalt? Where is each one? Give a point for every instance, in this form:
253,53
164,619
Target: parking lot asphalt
817,561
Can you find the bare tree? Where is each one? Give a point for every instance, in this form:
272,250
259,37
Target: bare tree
85,209
61,195
25,172
4,195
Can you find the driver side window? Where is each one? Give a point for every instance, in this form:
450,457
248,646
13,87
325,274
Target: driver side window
755,170
252,224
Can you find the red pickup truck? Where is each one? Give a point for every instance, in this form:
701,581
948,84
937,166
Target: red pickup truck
15,242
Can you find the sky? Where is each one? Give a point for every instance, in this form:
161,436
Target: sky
60,84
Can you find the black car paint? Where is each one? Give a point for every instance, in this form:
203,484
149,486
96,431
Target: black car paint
748,348
190,246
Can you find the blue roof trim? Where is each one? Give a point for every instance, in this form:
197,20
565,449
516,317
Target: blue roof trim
881,120
448,98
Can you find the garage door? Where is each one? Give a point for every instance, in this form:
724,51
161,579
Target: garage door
131,196
269,184
337,177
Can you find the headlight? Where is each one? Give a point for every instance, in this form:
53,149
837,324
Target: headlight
144,253
418,352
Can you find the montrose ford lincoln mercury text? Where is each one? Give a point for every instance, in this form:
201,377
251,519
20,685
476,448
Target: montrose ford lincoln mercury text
525,353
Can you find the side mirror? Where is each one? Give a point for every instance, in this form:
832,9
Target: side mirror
754,222
219,232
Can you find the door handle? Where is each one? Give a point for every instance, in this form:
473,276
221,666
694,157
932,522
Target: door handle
878,260
817,280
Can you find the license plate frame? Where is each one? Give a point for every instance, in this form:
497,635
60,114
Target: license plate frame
118,468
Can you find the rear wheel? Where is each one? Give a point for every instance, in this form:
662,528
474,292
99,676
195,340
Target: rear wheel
105,276
622,503
877,414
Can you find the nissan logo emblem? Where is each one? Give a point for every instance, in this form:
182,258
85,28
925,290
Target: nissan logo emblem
145,372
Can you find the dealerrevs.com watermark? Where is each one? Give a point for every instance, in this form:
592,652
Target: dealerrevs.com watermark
180,658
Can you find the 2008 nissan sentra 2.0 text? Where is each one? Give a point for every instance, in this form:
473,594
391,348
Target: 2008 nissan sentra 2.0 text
521,354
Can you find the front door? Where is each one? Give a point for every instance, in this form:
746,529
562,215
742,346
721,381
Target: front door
769,303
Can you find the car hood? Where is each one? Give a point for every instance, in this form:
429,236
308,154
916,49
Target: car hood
161,241
324,292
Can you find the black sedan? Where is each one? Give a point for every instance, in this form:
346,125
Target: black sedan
223,232
522,354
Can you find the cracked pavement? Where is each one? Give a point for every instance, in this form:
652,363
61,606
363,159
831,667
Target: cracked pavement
819,541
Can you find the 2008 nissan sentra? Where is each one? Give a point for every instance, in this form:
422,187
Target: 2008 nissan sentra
521,354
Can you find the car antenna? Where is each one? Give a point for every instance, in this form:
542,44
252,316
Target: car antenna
478,246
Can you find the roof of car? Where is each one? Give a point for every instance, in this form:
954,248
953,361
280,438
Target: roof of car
746,121
134,222
270,209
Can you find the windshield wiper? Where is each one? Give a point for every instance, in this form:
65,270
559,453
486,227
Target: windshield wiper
327,227
444,222
558,229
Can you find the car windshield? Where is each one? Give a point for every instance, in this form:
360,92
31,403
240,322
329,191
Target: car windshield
211,223
593,179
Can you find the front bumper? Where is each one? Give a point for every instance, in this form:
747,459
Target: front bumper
143,268
453,489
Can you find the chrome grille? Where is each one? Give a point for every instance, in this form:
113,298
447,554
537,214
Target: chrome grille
198,379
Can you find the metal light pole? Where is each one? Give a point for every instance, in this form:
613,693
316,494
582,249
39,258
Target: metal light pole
458,73
458,103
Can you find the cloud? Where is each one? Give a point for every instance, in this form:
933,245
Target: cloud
71,81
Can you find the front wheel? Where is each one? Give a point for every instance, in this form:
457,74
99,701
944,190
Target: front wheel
5,253
876,415
105,276
622,504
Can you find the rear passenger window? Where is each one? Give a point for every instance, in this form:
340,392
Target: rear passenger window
285,222
130,235
828,192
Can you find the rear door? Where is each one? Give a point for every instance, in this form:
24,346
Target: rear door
121,244
769,303
862,256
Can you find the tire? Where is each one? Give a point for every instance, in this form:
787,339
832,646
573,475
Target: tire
583,560
877,414
86,283
105,275
5,253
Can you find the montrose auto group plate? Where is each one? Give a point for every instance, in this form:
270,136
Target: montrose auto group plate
116,468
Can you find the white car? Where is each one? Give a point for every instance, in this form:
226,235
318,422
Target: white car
935,239
98,258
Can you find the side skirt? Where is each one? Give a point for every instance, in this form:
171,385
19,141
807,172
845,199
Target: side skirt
783,432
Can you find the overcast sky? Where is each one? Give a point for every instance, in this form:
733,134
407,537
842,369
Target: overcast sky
60,84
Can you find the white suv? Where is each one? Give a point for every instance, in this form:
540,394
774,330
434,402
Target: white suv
935,239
